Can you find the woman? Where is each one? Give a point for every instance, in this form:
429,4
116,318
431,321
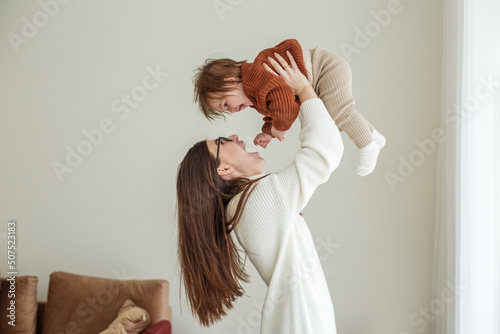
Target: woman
221,189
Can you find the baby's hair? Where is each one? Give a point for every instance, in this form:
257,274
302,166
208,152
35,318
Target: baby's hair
212,81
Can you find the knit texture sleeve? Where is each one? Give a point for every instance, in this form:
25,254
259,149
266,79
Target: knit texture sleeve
319,155
268,123
283,107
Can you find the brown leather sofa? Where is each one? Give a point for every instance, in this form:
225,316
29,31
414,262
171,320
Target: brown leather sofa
79,304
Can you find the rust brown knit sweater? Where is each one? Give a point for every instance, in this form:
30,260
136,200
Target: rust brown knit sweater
269,94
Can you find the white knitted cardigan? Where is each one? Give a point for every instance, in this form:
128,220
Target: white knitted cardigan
276,238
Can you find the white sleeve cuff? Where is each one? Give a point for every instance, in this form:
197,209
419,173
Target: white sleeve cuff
311,109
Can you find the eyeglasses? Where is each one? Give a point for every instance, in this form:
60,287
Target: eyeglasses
219,142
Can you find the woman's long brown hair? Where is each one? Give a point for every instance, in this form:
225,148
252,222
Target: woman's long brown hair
211,267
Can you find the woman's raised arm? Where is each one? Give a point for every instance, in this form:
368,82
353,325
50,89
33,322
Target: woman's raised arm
321,143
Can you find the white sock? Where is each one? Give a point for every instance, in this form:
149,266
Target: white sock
368,155
378,139
367,159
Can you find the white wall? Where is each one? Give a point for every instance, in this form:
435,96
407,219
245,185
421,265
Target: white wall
113,215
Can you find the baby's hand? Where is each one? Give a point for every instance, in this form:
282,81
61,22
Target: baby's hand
262,139
280,135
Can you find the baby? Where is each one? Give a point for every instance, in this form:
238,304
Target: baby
225,85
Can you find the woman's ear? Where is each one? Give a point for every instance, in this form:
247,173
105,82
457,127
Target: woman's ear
225,171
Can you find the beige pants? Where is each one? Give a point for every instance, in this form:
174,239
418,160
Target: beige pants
331,78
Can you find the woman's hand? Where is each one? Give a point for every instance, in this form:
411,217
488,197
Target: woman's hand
291,74
262,139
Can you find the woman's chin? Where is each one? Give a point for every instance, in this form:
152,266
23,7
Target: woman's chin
257,154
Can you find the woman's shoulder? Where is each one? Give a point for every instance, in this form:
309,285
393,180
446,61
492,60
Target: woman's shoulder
267,191
263,188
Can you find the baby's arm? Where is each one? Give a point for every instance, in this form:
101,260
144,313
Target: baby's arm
264,138
281,102
282,99
283,109
268,133
280,135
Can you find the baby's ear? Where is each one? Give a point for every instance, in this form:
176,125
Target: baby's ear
233,80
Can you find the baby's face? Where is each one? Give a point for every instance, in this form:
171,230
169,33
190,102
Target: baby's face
233,101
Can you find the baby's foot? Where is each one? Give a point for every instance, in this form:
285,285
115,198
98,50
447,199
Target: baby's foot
378,139
368,155
367,159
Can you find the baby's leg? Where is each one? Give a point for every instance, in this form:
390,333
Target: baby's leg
377,136
332,81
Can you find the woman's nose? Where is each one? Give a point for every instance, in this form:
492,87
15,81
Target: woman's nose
234,138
